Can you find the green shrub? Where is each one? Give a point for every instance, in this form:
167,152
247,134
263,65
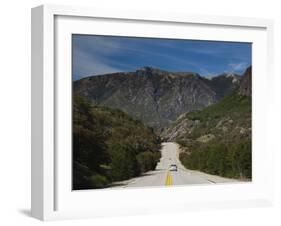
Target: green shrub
124,164
81,173
148,160
98,181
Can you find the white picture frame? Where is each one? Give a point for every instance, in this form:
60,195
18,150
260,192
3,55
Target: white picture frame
52,197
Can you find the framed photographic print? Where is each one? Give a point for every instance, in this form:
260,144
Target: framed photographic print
137,112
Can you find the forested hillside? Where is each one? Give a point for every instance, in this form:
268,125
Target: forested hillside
220,140
109,145
217,139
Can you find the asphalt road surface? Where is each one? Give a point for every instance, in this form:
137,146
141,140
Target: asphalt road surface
161,176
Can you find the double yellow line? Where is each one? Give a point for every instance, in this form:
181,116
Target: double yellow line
169,179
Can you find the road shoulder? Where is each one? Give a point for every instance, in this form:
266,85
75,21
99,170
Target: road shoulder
213,178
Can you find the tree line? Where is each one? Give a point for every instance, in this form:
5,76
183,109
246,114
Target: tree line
232,160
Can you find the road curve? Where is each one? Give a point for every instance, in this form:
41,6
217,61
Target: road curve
161,176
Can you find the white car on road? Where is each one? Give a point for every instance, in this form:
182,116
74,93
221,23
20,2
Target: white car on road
173,167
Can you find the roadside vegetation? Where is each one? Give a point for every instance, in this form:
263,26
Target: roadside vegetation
219,141
232,160
109,145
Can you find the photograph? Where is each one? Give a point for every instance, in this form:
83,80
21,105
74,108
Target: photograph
150,112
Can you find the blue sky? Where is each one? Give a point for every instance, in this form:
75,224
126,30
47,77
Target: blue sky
95,55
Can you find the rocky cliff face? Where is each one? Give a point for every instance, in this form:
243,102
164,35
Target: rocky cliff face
246,83
231,116
154,96
224,84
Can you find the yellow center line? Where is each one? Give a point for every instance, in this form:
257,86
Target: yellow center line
169,179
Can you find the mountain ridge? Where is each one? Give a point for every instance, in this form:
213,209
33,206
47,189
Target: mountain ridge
155,96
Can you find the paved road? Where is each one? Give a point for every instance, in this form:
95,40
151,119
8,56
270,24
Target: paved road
162,176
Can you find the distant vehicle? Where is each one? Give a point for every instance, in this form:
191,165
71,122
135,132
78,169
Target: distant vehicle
173,167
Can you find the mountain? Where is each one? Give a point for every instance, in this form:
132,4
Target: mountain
154,96
217,139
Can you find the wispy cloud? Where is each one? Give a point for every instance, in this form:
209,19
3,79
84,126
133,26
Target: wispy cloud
96,44
205,72
234,67
85,64
93,55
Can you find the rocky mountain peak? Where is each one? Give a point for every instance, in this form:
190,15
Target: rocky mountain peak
146,70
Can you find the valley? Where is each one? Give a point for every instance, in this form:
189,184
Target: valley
130,127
